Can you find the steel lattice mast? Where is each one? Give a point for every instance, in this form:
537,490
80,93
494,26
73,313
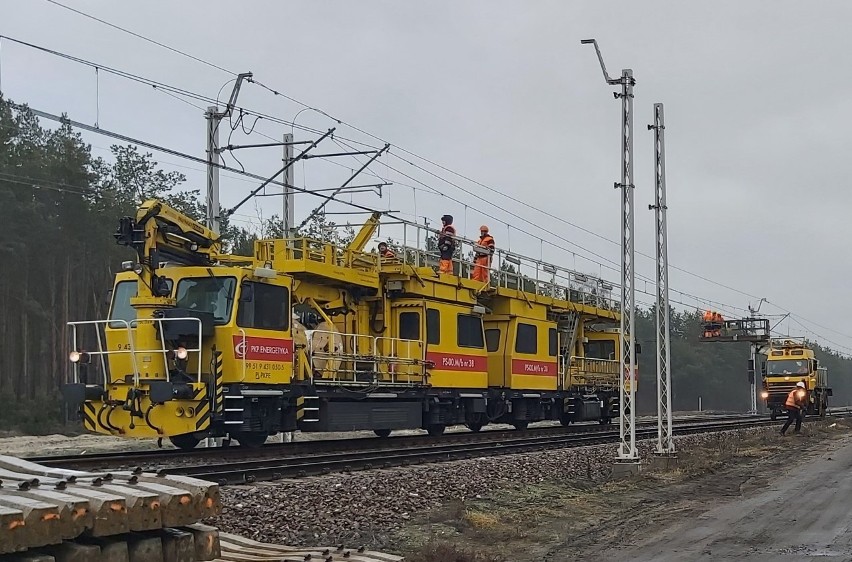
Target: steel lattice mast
627,393
665,445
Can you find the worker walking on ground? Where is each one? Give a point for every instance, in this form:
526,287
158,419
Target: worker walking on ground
484,249
794,404
385,252
447,244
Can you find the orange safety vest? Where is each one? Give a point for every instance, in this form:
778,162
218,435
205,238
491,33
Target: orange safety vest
486,241
388,254
792,402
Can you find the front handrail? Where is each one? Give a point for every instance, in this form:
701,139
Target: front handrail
159,321
132,350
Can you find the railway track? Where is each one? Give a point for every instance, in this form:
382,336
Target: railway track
295,466
293,460
164,458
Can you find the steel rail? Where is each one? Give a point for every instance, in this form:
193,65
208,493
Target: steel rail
242,472
368,442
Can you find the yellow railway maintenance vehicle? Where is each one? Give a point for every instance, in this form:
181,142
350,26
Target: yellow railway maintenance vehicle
789,361
311,336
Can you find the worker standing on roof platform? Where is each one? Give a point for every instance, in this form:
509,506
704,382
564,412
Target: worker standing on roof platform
708,320
718,321
447,244
386,252
484,249
796,401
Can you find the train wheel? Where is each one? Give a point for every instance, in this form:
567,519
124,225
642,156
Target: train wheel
605,421
436,429
251,439
521,425
565,420
382,432
475,427
185,441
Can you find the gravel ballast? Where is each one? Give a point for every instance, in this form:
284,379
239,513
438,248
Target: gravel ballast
366,507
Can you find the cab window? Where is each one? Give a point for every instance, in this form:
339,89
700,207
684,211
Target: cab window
470,331
121,308
433,326
409,326
526,340
600,349
552,342
208,294
492,339
267,309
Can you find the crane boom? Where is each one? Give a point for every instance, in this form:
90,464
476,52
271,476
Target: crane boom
367,230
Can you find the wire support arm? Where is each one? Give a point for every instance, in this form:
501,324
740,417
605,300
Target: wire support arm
334,194
257,190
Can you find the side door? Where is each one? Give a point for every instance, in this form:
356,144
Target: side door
405,346
262,340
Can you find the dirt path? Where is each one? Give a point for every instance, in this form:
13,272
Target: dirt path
799,511
736,496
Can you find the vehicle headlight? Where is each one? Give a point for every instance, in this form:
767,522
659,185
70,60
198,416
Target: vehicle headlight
181,353
78,357
764,394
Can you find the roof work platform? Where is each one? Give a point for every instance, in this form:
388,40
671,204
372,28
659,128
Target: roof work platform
752,330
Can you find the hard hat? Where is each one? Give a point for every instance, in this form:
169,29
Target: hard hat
385,244
800,384
483,228
447,219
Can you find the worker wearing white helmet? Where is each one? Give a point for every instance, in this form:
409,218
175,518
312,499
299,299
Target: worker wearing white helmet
795,403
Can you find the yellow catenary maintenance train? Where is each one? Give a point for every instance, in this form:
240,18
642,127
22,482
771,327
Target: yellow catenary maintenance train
306,335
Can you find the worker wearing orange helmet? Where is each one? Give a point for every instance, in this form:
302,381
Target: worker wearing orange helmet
708,321
484,249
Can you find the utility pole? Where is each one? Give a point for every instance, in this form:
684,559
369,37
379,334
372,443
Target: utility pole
288,215
628,456
665,452
752,378
213,119
214,217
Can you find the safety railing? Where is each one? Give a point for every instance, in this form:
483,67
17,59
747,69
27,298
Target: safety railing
401,358
103,354
418,248
305,249
505,269
358,359
591,372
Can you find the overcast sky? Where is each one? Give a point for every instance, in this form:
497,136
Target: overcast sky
755,93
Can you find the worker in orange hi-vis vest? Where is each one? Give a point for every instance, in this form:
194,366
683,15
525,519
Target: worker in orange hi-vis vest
795,403
447,244
718,322
386,252
484,250
708,320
